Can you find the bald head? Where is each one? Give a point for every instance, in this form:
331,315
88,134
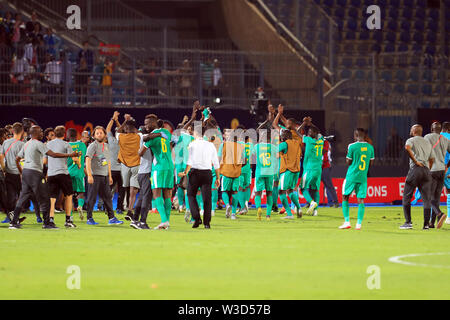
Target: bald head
436,127
416,130
36,132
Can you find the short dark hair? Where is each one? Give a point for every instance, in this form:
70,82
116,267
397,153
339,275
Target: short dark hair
72,134
17,128
446,126
151,116
47,131
160,123
361,132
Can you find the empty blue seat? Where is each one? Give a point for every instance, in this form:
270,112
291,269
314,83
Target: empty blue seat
399,88
419,25
407,13
394,3
434,14
386,75
393,13
355,3
339,12
364,35
390,36
413,89
311,23
431,37
347,62
389,47
376,48
414,75
350,35
432,25
328,3
401,75
418,37
427,75
377,35
405,25
361,62
342,3
403,47
426,104
392,25
405,37
351,24
346,74
360,75
420,14
363,48
353,13
408,3
421,3
323,36
430,49
321,48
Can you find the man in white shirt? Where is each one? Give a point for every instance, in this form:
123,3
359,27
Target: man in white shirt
202,158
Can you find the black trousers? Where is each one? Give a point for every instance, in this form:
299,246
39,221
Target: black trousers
418,177
33,185
101,188
13,187
200,179
144,201
437,184
3,198
117,182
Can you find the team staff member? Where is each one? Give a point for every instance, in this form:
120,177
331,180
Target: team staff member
421,156
77,170
8,153
98,169
202,158
33,180
441,145
58,175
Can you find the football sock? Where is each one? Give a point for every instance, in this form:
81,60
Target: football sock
168,207
346,211
258,201
294,198
448,204
214,198
269,206
248,194
285,202
361,209
275,195
80,203
234,204
199,201
226,198
241,198
180,196
307,195
316,196
159,202
186,201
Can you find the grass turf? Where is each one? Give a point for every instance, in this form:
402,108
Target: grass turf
307,258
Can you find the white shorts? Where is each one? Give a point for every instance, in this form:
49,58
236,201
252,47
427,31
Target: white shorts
130,176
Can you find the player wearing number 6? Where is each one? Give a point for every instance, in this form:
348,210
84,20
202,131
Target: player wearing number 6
359,158
162,175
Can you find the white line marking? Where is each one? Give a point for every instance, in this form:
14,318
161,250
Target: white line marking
398,259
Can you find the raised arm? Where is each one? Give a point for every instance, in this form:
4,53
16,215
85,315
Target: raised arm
277,118
112,121
194,114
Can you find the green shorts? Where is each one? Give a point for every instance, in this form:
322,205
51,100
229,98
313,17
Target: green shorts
264,183
288,180
360,189
311,179
230,184
78,184
162,179
245,180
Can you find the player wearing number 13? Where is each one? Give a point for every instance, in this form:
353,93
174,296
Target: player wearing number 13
360,156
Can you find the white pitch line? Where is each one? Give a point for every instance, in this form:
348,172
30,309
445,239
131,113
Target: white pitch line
398,259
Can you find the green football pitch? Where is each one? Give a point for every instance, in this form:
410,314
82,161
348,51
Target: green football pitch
308,258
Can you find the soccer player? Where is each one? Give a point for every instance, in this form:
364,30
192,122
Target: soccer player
76,167
441,146
266,159
232,158
312,165
162,176
245,179
58,175
98,169
360,157
446,133
33,180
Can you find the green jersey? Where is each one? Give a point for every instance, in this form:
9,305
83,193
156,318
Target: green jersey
248,146
361,153
181,150
73,168
162,153
313,153
266,159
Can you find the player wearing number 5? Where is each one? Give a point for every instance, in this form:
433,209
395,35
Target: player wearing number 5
359,158
162,175
312,164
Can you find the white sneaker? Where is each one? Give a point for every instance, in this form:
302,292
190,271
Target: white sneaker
233,217
358,227
447,221
213,213
346,225
291,217
228,211
311,208
187,215
80,213
315,214
202,212
162,226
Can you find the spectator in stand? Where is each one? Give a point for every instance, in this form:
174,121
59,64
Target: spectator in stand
394,148
28,49
16,33
53,76
108,69
152,73
8,23
87,55
30,25
37,31
20,69
186,79
207,70
82,81
326,176
41,53
51,43
217,80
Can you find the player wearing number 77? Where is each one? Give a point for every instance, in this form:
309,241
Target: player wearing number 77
360,157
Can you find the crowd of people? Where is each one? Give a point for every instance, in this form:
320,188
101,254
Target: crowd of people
150,166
